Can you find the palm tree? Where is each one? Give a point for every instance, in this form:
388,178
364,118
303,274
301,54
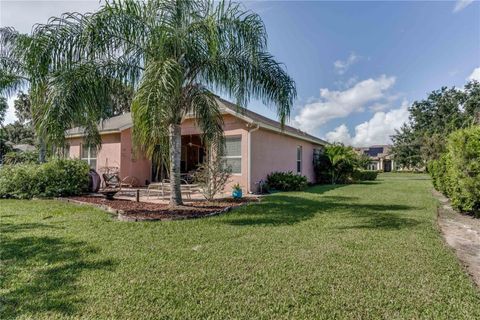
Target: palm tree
174,53
340,157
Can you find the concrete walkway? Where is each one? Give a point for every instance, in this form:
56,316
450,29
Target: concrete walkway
462,233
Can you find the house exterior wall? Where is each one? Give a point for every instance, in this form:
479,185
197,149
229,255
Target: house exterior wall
270,151
116,151
273,151
133,164
109,152
232,127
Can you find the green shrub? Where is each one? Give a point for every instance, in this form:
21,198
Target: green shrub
364,175
14,157
432,168
462,163
438,172
56,178
341,164
19,181
457,173
286,181
322,167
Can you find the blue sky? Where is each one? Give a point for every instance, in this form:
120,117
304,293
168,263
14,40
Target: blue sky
357,65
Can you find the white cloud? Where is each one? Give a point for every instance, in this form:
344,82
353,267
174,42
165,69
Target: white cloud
339,104
339,134
461,4
377,130
342,66
475,74
10,115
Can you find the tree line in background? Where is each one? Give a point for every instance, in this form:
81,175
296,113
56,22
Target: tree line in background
21,131
424,137
443,136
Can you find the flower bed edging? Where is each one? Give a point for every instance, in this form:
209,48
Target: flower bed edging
121,216
95,205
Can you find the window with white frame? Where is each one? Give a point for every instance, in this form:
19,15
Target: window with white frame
89,154
299,159
233,154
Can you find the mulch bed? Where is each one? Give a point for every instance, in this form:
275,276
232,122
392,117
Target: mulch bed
143,211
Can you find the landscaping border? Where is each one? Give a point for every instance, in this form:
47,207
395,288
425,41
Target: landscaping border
121,216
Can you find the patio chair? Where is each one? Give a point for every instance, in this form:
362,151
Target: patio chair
165,189
111,180
161,187
129,181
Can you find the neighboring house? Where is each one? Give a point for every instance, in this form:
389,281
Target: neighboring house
255,147
381,157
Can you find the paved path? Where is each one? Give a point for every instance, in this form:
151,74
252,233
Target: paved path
462,233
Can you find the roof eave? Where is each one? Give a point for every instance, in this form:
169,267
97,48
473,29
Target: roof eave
275,129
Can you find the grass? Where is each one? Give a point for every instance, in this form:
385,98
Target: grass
369,250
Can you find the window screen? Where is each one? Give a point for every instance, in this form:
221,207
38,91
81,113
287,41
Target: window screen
233,154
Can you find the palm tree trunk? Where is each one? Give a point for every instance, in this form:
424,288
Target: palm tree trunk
42,150
175,141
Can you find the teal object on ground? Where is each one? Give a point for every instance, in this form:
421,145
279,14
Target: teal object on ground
237,194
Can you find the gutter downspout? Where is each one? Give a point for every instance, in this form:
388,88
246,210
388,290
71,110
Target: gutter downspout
249,176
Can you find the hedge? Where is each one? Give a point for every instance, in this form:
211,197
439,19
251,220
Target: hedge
286,181
56,178
457,173
364,175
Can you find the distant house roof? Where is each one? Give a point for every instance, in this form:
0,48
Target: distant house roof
124,121
376,152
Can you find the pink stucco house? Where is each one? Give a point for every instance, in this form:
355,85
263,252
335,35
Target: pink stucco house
255,147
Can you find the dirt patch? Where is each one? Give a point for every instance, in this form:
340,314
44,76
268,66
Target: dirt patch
143,211
462,233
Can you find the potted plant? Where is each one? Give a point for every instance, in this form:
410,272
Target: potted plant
236,191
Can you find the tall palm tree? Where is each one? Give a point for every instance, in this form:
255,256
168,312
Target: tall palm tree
174,54
23,66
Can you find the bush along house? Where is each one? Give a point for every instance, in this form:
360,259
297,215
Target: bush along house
255,147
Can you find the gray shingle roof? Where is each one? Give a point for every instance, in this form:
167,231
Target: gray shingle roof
114,124
124,121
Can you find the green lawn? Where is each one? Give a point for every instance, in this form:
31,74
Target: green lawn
359,251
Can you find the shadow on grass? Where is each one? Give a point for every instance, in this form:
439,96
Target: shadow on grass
19,227
291,208
41,273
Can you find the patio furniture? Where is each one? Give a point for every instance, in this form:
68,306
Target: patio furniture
165,189
112,184
111,178
129,181
109,192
